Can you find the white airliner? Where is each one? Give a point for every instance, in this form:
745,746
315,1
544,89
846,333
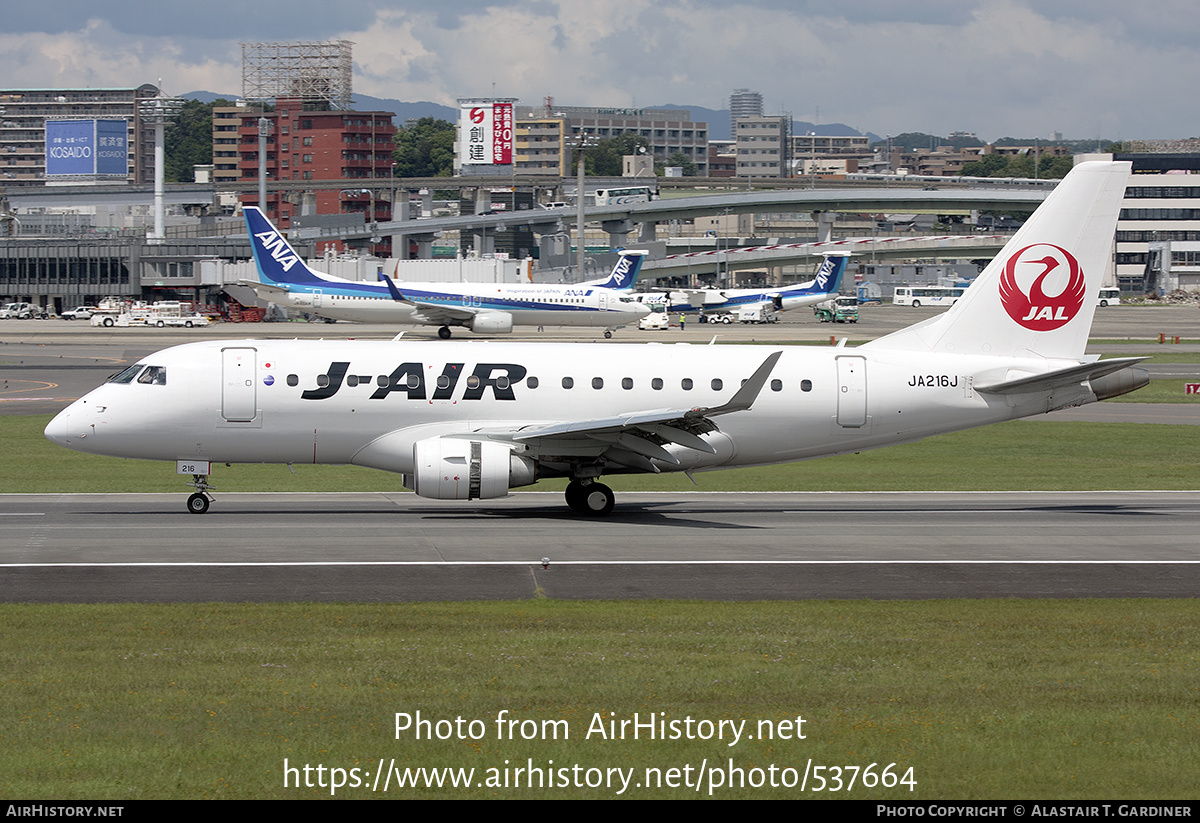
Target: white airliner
469,421
484,308
822,287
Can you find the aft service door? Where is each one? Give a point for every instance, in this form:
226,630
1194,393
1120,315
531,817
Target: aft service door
852,392
238,399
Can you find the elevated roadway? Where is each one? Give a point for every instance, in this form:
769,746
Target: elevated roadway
620,220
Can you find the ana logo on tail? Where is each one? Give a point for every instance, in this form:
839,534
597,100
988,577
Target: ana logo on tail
827,267
621,272
278,248
1035,309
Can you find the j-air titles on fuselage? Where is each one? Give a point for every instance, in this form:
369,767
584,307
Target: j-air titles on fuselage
409,379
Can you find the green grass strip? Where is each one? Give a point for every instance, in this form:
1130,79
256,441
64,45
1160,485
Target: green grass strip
1083,699
1015,456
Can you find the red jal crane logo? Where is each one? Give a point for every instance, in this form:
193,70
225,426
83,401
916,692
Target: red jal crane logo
1050,266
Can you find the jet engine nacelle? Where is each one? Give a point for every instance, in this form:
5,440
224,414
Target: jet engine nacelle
497,322
447,468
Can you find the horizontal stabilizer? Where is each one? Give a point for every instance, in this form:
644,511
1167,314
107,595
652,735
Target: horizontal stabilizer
1059,378
264,288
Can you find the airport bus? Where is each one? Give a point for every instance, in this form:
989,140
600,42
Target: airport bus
917,296
624,195
1109,297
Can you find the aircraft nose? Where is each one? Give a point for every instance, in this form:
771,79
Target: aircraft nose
59,429
71,426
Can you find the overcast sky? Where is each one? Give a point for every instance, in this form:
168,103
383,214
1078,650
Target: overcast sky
1085,68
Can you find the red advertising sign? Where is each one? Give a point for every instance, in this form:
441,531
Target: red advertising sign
502,134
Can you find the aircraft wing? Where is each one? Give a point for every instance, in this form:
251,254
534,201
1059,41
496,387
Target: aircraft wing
634,438
438,314
441,315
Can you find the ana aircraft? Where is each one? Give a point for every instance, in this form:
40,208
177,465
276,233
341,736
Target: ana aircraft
822,287
484,308
469,421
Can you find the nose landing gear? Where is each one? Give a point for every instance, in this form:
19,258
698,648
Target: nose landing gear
198,502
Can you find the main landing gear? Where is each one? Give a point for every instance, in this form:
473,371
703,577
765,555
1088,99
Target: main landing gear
590,497
198,502
444,332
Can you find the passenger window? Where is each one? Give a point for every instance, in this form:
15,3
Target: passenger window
352,380
777,385
568,382
501,382
656,384
597,382
805,385
531,382
293,380
627,383
443,381
717,384
322,380
686,383
473,382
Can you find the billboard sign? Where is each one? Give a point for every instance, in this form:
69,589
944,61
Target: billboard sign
486,127
86,148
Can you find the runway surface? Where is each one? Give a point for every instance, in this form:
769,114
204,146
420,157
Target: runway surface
387,547
393,547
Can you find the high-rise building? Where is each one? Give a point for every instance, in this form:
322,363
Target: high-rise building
315,145
668,131
743,103
763,146
23,116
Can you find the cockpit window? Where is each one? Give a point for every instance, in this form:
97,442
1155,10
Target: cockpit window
127,375
154,376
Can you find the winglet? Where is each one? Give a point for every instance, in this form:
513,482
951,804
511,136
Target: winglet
392,290
747,394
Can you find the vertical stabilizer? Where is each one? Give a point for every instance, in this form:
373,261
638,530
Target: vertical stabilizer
277,262
1037,297
625,273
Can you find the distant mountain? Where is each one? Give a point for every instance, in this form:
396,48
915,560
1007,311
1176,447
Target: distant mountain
718,124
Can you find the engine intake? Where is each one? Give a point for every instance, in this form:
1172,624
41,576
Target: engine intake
448,468
496,322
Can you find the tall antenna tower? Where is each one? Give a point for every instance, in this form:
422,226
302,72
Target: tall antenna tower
312,71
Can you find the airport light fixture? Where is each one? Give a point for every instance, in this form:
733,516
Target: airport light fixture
157,111
580,142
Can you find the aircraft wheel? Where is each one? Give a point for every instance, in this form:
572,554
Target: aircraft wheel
607,334
444,332
197,503
574,495
598,499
